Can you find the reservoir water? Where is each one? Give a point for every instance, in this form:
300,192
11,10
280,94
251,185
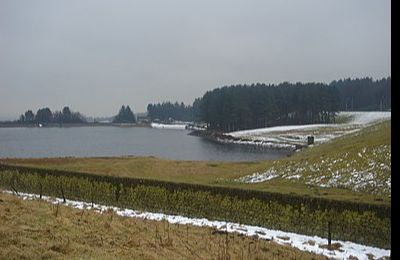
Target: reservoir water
122,141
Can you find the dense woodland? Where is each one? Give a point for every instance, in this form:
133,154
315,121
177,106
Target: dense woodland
240,107
364,94
244,107
168,111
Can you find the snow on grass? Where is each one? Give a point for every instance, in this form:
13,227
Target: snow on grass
365,118
297,134
169,126
357,118
271,143
275,129
293,136
317,245
369,171
260,177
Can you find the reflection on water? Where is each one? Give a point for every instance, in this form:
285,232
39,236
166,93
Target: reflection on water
117,141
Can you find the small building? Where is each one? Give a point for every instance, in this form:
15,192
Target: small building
142,118
310,140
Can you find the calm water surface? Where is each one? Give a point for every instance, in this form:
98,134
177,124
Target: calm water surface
117,141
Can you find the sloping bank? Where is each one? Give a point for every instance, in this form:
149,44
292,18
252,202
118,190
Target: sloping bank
224,138
348,221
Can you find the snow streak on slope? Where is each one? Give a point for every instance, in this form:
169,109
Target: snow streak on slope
169,126
369,171
273,129
356,118
366,169
297,134
366,118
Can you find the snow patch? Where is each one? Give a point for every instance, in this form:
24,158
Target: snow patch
260,143
275,129
365,118
168,126
297,134
259,177
367,172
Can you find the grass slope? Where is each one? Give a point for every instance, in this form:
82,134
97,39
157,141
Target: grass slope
360,162
38,230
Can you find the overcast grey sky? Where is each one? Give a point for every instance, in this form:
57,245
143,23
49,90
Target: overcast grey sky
97,55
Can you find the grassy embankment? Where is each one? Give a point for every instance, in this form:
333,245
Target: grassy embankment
342,157
356,162
37,230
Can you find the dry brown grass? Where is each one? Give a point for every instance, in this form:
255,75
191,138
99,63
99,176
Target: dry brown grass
39,230
148,167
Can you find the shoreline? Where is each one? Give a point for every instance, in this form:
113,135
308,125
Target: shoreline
68,125
223,138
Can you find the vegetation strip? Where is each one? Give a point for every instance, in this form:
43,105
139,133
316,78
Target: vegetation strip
381,210
317,245
367,224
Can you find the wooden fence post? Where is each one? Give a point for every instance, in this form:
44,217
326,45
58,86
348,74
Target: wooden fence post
329,233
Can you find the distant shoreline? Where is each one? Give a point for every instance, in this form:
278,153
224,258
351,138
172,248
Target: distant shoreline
19,125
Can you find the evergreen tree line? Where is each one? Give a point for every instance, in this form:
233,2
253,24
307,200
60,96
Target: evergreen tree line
167,111
364,94
232,108
125,115
46,116
259,105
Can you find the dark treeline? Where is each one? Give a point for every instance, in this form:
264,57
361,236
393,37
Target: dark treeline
167,111
259,105
364,94
125,115
46,116
240,107
253,106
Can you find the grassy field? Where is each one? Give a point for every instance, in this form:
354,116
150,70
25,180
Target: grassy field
39,230
359,162
317,167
